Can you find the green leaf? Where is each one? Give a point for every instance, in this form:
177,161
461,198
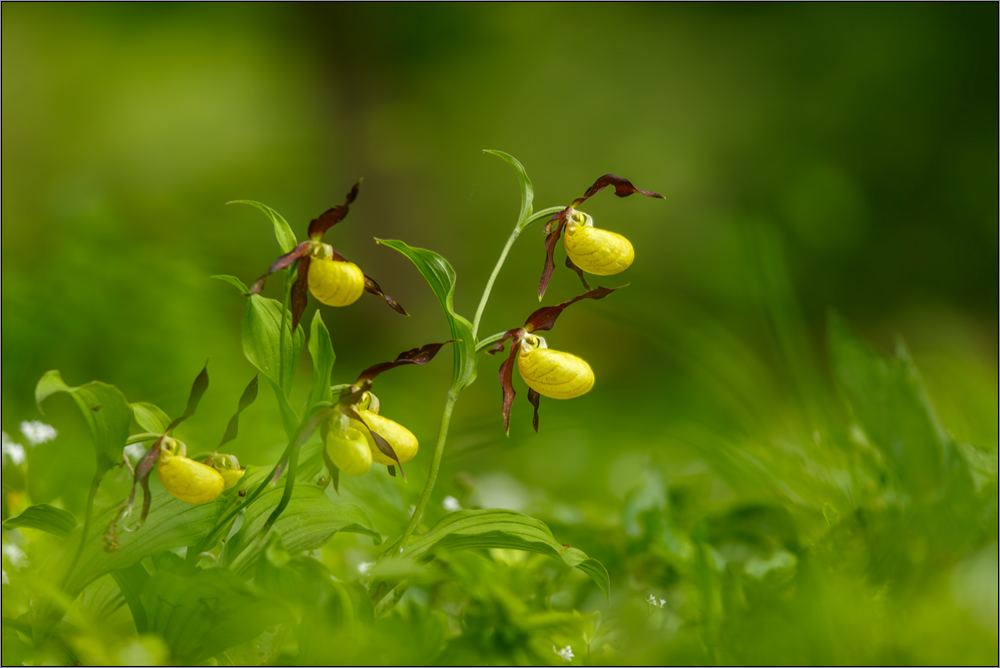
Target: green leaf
889,401
105,409
44,518
527,192
203,612
309,520
475,529
131,582
233,281
171,523
282,231
150,417
441,277
323,357
262,343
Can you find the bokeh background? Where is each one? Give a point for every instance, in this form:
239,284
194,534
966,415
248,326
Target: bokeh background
812,157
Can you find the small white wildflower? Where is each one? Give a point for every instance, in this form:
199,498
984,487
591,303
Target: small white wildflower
14,451
659,603
15,555
366,566
663,602
38,432
451,504
4,578
566,653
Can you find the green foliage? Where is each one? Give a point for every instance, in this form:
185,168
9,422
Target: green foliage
43,517
105,410
282,230
441,277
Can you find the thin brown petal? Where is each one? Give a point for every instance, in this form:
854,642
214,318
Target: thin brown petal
509,334
550,265
507,384
415,356
579,272
283,262
372,287
545,317
534,398
329,218
383,445
623,187
248,397
300,292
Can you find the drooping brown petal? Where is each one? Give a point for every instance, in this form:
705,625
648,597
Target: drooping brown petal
623,187
509,334
415,356
372,287
300,292
142,471
197,390
283,262
550,264
248,397
329,218
579,272
534,398
507,384
383,445
545,317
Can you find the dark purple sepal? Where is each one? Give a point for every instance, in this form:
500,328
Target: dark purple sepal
507,383
534,398
579,272
509,334
300,292
380,442
329,218
545,317
623,187
283,262
372,287
550,264
415,356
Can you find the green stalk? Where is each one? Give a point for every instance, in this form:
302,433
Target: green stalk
425,496
286,293
286,495
86,526
503,257
456,389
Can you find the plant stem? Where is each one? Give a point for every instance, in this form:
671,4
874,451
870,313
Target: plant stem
487,342
286,495
285,296
86,526
503,257
449,405
142,438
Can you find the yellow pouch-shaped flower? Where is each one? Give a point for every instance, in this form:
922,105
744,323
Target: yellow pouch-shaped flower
185,478
335,283
228,466
402,440
553,373
350,452
597,251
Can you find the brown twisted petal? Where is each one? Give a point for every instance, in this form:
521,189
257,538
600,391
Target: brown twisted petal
596,251
402,440
555,374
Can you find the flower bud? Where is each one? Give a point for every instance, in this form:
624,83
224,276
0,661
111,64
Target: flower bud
552,373
229,467
335,283
185,478
596,251
402,440
349,452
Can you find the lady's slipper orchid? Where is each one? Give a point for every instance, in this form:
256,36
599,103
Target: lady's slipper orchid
324,272
589,249
185,478
547,372
357,435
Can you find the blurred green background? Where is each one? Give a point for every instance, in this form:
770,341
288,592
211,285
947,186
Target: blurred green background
812,157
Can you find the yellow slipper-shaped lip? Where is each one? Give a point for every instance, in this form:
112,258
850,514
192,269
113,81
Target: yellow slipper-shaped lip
596,251
402,440
553,373
350,452
335,283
